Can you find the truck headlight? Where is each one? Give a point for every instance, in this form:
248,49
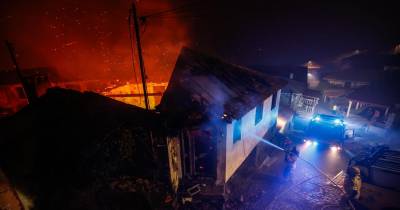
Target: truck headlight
317,119
338,122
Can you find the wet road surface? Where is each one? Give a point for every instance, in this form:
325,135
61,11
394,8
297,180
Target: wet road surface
308,187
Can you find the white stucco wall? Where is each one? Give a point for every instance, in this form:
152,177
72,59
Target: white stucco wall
237,152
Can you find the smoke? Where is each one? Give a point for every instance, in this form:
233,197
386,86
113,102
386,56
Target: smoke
90,39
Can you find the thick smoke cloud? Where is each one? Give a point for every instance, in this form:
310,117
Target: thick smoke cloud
89,39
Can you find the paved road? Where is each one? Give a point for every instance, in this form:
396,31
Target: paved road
328,161
309,189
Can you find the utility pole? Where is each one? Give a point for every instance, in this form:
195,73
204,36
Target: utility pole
28,88
139,48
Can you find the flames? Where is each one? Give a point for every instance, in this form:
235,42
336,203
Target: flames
132,93
90,39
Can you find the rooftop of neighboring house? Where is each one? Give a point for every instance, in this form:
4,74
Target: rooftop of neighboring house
312,65
370,60
377,94
86,111
205,86
354,75
84,139
296,73
10,77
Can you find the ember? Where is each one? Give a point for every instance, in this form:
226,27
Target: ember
93,42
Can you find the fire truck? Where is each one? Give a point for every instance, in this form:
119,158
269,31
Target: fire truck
327,129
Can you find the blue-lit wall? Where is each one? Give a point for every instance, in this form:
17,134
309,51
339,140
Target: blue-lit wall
237,152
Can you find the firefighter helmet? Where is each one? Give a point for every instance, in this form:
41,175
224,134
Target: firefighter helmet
356,170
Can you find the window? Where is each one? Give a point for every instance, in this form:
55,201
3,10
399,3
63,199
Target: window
237,132
273,101
259,113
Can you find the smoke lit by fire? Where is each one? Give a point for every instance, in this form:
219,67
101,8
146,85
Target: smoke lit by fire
89,39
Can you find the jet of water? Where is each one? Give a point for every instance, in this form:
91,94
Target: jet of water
268,142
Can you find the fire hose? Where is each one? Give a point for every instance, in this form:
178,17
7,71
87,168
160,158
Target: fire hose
312,165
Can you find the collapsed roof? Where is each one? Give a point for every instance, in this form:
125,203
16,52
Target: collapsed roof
209,86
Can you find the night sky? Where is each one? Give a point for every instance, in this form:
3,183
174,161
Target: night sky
90,39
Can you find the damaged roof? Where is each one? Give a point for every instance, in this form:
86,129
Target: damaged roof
204,84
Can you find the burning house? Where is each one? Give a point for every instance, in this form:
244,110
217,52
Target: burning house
12,93
216,113
13,96
132,93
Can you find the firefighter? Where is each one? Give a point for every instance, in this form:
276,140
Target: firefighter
356,183
290,162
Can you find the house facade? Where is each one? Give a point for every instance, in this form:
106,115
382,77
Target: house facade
216,113
351,79
252,126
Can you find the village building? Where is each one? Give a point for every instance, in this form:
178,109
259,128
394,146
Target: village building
91,147
351,79
339,84
216,113
290,73
13,96
313,74
379,99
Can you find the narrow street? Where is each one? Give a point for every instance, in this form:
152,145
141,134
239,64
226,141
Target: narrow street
309,189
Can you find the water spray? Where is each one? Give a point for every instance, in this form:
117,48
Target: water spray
268,142
309,163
